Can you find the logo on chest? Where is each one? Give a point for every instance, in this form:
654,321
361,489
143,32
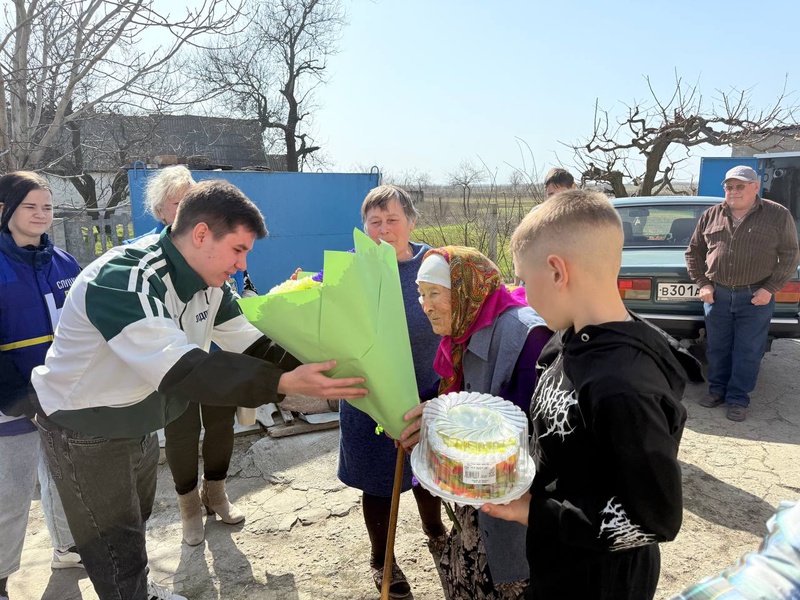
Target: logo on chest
65,284
555,402
200,317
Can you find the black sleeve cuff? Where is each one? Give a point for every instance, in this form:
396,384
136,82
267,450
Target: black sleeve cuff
265,349
223,379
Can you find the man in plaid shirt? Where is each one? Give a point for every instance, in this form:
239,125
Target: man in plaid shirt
770,573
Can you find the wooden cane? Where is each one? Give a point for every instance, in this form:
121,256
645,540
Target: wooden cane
398,486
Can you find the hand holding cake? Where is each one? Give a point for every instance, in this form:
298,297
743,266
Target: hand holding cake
516,510
410,436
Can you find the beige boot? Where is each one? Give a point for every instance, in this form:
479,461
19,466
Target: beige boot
191,517
216,501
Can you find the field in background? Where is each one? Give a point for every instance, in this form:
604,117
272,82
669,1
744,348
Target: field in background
483,218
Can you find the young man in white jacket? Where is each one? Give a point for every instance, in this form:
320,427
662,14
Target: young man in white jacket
130,353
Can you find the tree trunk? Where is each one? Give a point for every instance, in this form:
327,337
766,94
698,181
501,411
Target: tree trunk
615,178
292,164
654,157
82,181
119,192
85,185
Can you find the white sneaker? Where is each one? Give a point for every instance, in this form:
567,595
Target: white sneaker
66,559
156,592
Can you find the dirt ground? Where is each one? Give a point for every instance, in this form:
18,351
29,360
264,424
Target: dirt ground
304,536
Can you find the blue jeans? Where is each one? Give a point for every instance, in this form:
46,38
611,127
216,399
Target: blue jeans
737,333
107,487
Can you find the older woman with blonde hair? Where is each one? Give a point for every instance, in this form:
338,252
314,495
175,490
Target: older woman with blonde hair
163,195
165,191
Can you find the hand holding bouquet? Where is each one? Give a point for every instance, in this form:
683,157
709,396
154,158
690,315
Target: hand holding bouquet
355,316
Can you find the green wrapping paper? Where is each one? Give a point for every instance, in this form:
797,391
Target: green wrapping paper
356,317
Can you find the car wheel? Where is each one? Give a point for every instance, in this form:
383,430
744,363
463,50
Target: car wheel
698,350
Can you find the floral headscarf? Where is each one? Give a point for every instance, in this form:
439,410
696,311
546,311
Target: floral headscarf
477,297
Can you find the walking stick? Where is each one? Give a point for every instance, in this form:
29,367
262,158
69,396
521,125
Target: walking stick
398,485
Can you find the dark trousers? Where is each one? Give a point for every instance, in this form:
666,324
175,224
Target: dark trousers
377,510
624,575
737,333
182,436
107,487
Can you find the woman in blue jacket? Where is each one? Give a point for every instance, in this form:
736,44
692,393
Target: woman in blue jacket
34,279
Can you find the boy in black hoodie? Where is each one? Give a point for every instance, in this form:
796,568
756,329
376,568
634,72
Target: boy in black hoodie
607,414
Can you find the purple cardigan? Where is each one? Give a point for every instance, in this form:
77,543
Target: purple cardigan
523,380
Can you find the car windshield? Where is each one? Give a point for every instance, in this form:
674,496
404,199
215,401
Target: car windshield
657,226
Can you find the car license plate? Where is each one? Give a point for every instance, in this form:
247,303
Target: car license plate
666,291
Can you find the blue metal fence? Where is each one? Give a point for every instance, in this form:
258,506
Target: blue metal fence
306,214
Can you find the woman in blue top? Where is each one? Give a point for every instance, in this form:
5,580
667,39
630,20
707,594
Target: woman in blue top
366,460
34,279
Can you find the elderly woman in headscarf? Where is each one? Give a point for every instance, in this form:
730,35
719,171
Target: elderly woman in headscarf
490,343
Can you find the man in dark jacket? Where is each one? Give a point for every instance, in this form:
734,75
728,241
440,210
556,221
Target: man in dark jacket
607,417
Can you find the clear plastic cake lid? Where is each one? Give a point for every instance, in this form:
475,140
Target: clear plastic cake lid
473,449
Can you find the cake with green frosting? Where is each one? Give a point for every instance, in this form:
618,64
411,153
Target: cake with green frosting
473,442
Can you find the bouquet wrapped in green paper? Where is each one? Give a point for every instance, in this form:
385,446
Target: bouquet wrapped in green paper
356,317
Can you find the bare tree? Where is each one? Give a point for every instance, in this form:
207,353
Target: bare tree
413,179
104,142
476,211
272,69
638,147
62,59
525,180
464,177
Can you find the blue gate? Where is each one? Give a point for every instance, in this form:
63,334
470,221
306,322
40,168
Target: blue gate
306,214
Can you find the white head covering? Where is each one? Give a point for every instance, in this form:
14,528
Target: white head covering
435,269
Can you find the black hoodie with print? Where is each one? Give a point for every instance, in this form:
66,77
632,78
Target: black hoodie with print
607,420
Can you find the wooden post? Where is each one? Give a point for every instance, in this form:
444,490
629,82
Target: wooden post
398,486
493,227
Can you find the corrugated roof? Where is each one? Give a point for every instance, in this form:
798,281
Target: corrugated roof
109,141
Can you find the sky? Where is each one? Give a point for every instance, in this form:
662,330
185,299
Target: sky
420,86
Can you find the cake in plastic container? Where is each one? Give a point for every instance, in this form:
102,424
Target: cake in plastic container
473,449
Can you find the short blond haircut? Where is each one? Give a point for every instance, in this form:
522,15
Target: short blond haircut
569,221
166,183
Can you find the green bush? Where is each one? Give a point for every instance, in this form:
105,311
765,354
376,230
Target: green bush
111,240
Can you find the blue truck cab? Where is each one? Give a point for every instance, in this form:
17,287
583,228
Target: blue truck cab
779,171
